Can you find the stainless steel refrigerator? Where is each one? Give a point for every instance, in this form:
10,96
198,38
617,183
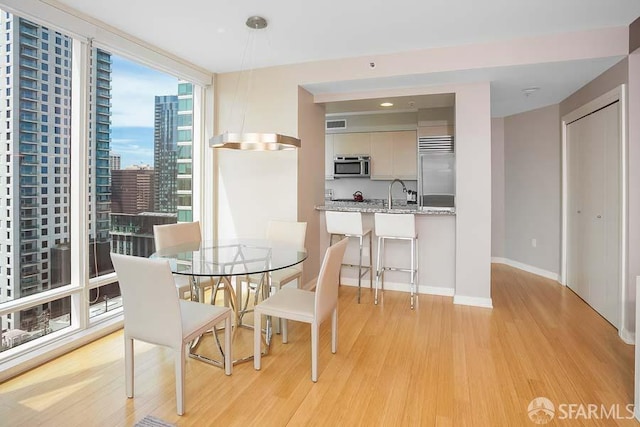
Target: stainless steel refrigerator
436,172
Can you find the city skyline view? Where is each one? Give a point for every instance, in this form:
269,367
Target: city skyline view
135,116
133,91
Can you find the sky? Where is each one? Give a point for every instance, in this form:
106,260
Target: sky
133,88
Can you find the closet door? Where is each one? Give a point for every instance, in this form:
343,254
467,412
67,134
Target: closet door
593,270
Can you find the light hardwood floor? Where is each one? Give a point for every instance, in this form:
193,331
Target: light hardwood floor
440,365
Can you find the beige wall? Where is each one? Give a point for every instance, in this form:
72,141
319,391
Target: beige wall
610,79
254,187
311,177
532,157
497,188
473,195
633,215
634,35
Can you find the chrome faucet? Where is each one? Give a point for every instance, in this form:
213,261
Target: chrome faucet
404,190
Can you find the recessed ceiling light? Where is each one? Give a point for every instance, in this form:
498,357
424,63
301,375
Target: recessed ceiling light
387,104
529,90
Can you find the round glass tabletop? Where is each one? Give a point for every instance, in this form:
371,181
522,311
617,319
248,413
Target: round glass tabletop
230,257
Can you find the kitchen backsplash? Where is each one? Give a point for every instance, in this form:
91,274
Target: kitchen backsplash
344,188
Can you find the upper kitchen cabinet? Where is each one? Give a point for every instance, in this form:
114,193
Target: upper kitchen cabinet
351,143
394,155
328,156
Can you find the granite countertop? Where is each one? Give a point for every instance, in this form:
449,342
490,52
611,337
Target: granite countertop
380,205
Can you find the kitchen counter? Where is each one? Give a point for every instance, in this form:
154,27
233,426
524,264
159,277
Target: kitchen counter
380,205
436,230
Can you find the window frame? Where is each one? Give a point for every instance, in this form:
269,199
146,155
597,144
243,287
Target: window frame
84,329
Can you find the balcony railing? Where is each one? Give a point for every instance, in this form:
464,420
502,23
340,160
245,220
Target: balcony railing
31,63
28,94
29,52
30,74
30,117
29,41
29,30
28,105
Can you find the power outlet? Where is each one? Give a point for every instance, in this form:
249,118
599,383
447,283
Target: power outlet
534,243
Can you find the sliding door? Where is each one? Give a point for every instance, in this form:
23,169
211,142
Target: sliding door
594,230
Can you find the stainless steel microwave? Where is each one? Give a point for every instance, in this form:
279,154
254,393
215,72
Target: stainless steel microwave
351,166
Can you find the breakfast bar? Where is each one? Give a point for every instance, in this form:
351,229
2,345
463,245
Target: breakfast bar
436,228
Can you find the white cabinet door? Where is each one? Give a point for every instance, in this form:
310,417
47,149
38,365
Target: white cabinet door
394,155
381,155
405,149
351,143
328,156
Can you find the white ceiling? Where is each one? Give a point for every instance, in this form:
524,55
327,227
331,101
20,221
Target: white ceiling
212,35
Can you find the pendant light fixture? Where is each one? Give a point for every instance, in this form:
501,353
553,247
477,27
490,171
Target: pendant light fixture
254,141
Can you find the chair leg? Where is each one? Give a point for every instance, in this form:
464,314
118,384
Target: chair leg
378,265
370,262
334,330
228,364
257,332
315,331
128,365
413,281
285,331
180,365
360,270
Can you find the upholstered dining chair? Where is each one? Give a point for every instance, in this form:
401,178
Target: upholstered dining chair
288,233
168,235
153,313
184,233
305,306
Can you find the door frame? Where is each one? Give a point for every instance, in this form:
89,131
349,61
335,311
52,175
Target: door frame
618,94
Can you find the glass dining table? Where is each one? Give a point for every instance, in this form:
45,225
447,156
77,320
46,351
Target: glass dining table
225,264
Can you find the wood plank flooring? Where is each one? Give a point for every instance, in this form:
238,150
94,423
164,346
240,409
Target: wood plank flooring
440,365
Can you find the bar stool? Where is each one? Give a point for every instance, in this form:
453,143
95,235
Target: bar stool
349,224
396,227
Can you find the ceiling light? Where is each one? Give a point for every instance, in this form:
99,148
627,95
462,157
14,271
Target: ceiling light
529,90
387,104
254,141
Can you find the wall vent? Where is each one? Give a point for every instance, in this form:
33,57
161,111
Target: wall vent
335,124
435,144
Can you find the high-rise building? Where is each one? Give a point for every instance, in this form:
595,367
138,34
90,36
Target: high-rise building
99,170
132,190
114,161
185,155
165,153
133,234
35,81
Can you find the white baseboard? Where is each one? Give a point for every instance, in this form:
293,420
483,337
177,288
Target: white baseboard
473,301
527,268
627,336
402,287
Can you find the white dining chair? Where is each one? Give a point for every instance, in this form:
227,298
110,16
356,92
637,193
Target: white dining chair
305,306
286,233
185,233
168,235
153,313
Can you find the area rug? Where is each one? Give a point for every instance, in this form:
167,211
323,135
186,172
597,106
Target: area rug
150,421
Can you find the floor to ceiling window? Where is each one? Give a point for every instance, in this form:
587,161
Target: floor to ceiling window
133,165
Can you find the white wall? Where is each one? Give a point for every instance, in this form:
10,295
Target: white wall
532,158
473,195
497,188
